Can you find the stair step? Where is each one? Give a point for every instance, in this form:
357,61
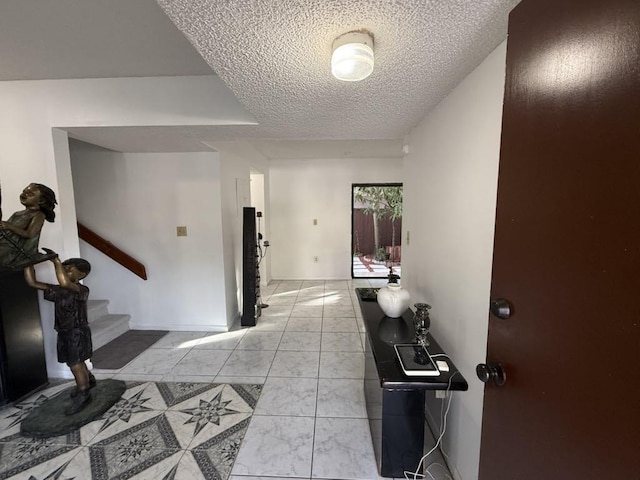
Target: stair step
107,327
97,309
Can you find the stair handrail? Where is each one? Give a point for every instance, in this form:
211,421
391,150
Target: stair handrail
111,251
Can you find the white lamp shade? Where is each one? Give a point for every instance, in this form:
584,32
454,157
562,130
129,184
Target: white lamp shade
352,58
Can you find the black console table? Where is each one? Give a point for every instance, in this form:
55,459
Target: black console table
395,402
23,367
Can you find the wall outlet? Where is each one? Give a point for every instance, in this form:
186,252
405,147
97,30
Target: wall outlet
315,259
408,237
315,221
181,231
442,394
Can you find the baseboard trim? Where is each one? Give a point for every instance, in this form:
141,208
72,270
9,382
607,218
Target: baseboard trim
180,327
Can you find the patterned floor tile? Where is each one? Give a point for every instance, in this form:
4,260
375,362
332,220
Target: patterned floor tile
189,411
208,415
174,393
11,416
19,454
50,470
159,431
215,457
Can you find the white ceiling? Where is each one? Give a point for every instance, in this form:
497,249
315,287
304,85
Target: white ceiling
273,55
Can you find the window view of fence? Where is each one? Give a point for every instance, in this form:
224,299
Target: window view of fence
376,230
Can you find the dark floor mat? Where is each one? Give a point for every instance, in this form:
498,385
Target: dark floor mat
120,351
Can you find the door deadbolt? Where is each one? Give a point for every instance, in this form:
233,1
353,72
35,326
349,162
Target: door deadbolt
491,371
500,308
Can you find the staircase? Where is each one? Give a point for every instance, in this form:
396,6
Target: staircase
105,326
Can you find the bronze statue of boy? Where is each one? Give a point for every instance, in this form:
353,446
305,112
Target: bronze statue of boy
74,335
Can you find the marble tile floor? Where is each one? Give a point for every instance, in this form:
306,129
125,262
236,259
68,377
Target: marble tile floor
306,351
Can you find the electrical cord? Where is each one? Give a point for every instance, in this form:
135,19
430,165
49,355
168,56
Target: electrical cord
416,475
440,355
261,253
444,454
441,418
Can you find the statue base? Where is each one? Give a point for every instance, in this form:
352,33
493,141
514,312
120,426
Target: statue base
49,420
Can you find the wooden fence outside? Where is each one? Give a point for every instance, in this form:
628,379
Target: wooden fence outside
363,238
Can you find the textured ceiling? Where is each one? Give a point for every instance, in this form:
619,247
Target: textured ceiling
273,54
275,57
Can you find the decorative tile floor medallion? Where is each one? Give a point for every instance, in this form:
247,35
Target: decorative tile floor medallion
155,431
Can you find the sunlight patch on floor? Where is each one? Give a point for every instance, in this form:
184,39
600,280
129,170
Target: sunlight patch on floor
333,298
214,338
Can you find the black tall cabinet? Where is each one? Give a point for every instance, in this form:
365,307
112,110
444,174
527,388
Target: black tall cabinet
251,308
23,367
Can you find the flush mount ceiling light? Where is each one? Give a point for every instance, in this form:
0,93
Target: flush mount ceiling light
352,58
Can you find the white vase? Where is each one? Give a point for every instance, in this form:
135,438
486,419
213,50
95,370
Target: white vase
393,300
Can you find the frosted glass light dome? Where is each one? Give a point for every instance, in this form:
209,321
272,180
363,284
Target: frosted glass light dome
352,58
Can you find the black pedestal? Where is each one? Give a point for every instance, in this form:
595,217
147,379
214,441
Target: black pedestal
397,423
396,402
23,367
402,432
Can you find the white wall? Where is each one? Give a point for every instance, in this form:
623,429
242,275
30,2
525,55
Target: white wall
303,190
258,201
450,183
238,160
32,149
136,201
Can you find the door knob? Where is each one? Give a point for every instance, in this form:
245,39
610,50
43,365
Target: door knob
500,308
489,371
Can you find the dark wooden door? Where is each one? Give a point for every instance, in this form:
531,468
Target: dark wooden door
567,247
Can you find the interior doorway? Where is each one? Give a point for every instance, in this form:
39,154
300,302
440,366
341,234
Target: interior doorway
376,229
258,201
